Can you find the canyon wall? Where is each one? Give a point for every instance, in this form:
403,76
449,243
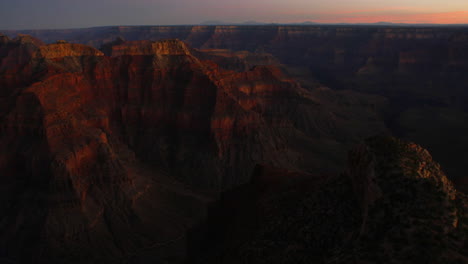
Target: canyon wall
114,157
421,71
393,204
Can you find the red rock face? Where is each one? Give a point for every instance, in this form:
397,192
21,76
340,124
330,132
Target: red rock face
413,67
84,127
15,58
54,144
164,103
91,142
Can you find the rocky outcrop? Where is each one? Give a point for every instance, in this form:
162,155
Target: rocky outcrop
61,50
413,67
295,44
4,39
98,143
237,61
164,47
410,210
153,94
393,204
28,39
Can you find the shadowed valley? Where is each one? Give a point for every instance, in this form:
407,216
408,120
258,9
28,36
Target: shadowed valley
150,149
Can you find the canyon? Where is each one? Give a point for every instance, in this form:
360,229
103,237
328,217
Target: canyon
232,144
417,69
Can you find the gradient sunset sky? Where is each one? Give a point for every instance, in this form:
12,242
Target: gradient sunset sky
33,14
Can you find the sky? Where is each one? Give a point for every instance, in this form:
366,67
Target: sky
45,14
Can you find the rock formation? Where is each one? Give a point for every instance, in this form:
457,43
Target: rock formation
92,147
415,68
393,204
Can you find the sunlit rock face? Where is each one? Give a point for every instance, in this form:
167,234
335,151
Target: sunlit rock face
417,69
92,146
332,48
115,141
61,50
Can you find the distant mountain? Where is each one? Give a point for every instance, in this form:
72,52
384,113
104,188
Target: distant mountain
308,23
246,23
252,22
213,23
383,23
311,23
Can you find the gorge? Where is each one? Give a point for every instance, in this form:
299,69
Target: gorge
233,144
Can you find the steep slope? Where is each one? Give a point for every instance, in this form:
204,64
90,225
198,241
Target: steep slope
413,67
172,107
15,56
410,211
393,204
92,147
419,62
70,190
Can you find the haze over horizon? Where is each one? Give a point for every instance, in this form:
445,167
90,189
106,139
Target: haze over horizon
52,14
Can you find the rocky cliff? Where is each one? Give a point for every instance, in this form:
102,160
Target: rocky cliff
393,204
418,69
103,157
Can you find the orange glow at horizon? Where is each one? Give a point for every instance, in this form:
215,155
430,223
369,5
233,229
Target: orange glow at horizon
456,17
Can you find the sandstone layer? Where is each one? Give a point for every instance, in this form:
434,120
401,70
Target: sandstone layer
418,69
114,157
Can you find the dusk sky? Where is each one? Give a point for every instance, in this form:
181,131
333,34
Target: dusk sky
34,14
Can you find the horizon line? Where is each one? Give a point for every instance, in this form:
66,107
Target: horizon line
254,23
